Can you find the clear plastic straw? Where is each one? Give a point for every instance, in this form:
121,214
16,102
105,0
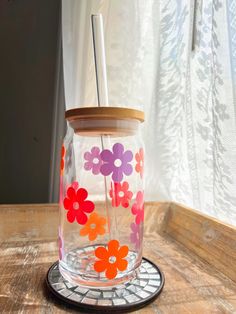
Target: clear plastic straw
100,59
102,95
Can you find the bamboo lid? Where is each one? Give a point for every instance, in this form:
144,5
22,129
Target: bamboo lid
101,113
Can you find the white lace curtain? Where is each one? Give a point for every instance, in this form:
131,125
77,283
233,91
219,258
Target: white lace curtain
185,84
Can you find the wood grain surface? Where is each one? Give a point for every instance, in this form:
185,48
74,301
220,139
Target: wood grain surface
28,246
210,239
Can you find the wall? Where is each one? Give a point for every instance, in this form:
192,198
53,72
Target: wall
28,60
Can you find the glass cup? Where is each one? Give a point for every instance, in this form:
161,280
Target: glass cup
101,196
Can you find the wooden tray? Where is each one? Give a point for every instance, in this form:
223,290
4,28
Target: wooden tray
196,253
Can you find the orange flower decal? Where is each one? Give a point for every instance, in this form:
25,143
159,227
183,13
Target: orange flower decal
94,227
63,151
140,162
111,259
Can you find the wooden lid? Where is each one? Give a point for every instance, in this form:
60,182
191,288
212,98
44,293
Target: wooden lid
104,113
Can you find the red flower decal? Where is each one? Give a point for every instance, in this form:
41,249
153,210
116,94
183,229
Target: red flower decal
77,205
120,194
111,259
63,151
140,162
138,208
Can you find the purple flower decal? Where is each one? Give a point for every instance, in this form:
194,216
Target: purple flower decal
116,162
135,235
94,161
61,244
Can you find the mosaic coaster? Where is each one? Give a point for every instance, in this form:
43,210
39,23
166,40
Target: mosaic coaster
130,296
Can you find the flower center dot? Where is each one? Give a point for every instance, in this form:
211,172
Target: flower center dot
112,259
95,160
93,226
117,162
121,194
76,205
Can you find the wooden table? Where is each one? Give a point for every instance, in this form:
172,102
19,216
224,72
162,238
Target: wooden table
186,245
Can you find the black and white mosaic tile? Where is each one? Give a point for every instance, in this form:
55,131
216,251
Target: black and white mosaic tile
132,295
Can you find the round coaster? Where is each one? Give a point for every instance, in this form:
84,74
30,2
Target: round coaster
130,296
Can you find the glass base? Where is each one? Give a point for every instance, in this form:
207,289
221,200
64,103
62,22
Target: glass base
131,296
77,267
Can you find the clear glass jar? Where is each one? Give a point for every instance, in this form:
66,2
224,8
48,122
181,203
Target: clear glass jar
101,196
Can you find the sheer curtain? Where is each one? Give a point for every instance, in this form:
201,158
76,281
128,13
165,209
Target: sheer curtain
196,106
176,60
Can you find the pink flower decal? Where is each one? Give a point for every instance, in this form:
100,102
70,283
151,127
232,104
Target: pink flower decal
120,194
116,162
94,161
77,205
61,244
138,208
135,235
140,162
